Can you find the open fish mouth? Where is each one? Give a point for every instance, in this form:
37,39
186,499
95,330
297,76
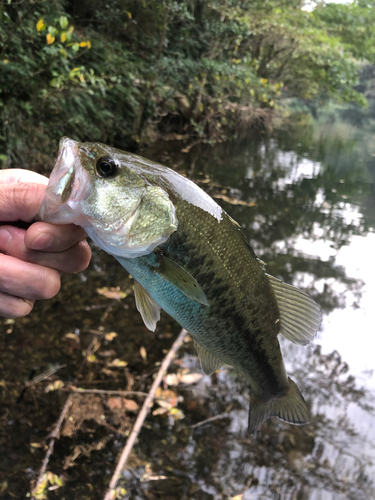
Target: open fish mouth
68,182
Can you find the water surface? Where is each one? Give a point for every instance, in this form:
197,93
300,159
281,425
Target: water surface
306,203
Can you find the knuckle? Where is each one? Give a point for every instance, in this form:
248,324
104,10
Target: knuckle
77,258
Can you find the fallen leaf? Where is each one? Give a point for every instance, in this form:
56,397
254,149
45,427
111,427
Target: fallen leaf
130,405
153,478
112,293
107,354
36,445
160,411
54,386
72,336
110,336
171,379
118,403
190,378
164,404
176,413
120,492
143,353
114,403
165,394
234,201
117,363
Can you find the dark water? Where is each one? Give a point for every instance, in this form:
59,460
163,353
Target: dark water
306,201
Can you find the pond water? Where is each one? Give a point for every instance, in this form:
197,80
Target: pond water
306,202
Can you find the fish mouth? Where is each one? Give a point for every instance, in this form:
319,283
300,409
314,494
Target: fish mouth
64,184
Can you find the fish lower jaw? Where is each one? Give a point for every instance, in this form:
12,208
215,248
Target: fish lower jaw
115,244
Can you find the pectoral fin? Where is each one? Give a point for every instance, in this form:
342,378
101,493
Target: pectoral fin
181,279
208,361
300,316
146,305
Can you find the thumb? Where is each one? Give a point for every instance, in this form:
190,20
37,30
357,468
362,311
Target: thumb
15,175
20,201
21,194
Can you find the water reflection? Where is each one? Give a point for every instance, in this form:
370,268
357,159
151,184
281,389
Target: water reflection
305,201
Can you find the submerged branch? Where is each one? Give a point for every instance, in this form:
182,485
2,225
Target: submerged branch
56,431
78,390
142,415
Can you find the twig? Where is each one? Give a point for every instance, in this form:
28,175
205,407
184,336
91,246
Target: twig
78,390
56,431
142,415
53,436
211,419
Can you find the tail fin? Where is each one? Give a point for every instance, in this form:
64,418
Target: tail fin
291,408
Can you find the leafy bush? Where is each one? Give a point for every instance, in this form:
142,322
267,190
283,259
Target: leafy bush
125,71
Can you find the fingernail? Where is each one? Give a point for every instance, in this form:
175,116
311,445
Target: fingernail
5,237
42,241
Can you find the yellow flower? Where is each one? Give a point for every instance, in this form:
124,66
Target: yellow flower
6,61
63,36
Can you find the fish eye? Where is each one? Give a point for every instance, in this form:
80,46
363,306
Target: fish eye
106,167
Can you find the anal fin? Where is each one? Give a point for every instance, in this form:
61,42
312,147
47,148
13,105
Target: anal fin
208,361
146,305
291,408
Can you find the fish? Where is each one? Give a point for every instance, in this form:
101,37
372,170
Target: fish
190,258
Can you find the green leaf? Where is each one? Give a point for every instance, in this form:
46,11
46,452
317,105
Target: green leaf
63,22
52,31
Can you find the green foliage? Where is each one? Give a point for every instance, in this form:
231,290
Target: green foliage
118,71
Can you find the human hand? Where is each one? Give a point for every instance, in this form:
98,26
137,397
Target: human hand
31,260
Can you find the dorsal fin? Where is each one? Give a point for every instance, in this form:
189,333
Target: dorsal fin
146,305
234,222
262,264
300,316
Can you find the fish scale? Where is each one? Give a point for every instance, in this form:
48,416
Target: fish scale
233,320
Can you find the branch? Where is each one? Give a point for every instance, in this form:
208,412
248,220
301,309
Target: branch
78,390
142,416
56,431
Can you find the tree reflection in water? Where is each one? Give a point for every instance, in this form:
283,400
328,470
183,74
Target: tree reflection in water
295,191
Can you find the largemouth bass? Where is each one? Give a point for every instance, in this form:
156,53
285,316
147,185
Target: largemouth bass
190,258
